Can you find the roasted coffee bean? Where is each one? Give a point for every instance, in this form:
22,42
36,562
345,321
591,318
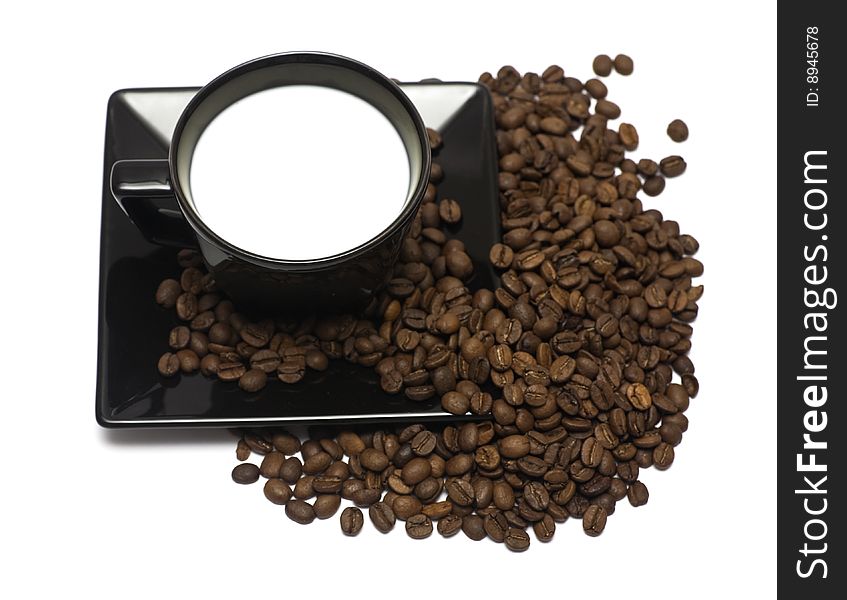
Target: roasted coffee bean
455,403
504,496
623,64
450,211
257,443
672,166
286,443
188,360
168,365
678,130
602,65
449,525
291,370
419,527
209,365
423,443
473,526
501,256
366,496
663,456
168,292
373,459
594,520
318,462
242,450
416,470
271,465
265,360
352,521
179,337
382,517
327,484
638,494
253,380
245,473
514,446
438,510
544,529
516,540
277,491
230,371
496,526
300,511
653,186
186,306
460,492
406,506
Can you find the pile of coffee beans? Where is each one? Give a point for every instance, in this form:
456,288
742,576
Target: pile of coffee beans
579,358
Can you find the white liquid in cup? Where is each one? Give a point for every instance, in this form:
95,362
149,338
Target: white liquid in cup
299,172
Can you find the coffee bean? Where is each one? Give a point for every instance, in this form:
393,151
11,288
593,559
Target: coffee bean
419,527
304,489
271,465
501,256
449,525
291,370
179,337
678,130
514,446
653,186
168,292
602,65
516,540
623,64
423,443
242,450
672,166
382,517
253,380
455,403
209,365
245,473
439,510
416,470
460,492
286,443
450,211
594,520
168,365
326,505
473,526
188,360
277,491
373,459
638,494
186,306
265,360
544,529
352,521
663,456
406,506
318,462
300,511
231,371
628,135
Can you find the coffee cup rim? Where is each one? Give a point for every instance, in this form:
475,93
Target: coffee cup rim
420,179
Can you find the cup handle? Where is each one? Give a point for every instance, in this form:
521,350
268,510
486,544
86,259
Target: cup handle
143,190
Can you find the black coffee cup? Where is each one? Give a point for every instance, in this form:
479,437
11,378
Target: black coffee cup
156,194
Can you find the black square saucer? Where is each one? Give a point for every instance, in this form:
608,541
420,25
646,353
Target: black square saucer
133,330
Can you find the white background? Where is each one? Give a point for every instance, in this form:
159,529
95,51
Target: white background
155,514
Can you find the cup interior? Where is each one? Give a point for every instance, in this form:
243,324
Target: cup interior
310,69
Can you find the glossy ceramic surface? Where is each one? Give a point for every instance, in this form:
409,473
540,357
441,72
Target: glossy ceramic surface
133,329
